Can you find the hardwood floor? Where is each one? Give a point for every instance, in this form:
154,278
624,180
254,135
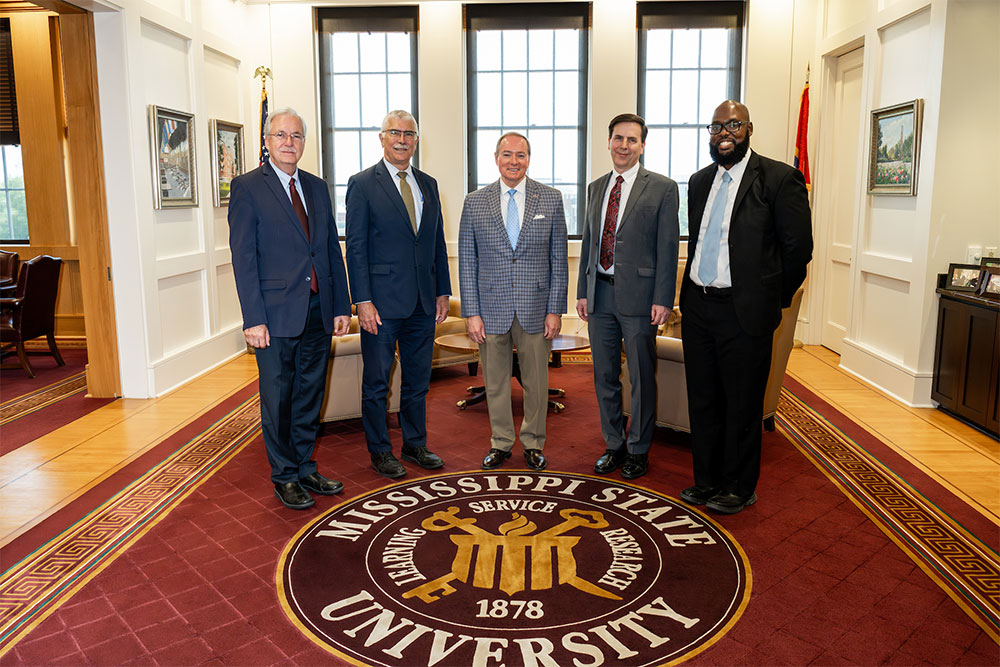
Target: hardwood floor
42,476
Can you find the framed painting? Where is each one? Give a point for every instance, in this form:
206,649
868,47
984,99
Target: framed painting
895,149
175,178
990,283
227,157
963,277
989,261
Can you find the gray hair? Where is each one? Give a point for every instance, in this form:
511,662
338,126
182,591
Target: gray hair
503,136
284,111
401,115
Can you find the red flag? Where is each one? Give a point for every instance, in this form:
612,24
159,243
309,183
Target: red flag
801,136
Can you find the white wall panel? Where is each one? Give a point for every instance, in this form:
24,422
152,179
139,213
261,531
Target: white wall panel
182,310
229,304
222,86
893,227
177,231
841,14
180,8
166,68
905,60
884,300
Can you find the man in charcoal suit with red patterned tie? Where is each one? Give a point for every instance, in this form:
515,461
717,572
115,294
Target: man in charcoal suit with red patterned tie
293,293
628,270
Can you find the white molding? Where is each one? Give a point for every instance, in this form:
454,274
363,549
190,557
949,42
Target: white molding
180,366
911,387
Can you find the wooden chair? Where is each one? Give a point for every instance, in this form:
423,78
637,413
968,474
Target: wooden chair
30,313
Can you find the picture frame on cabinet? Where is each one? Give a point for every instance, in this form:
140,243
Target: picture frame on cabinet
962,277
986,262
989,286
895,149
227,157
172,149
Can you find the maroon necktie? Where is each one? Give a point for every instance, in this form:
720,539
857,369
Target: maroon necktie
300,211
610,223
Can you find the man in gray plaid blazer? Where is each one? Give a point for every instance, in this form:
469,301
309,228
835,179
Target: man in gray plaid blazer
513,275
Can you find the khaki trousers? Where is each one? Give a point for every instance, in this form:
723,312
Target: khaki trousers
496,355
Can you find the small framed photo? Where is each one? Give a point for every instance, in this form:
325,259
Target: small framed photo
895,149
963,277
989,286
987,262
175,179
227,157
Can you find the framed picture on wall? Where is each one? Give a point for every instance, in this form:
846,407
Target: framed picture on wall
990,283
171,137
963,277
227,157
895,149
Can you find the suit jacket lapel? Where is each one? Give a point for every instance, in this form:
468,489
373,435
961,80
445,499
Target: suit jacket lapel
274,183
641,179
389,185
749,176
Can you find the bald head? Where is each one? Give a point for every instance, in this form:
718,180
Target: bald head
732,141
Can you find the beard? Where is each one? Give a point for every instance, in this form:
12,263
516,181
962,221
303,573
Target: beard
740,149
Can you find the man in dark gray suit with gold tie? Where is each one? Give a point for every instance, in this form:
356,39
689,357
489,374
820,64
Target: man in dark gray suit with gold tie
628,269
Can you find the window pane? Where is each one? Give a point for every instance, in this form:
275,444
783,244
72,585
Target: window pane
373,99
488,50
685,49
340,199
540,168
347,155
683,154
397,46
684,97
15,170
657,49
372,47
567,49
18,214
515,49
6,230
540,45
400,93
657,153
486,166
566,147
715,47
682,212
713,93
488,100
567,98
515,111
570,207
371,148
540,98
345,52
346,100
657,97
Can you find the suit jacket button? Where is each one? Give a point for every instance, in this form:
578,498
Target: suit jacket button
313,254
308,278
514,260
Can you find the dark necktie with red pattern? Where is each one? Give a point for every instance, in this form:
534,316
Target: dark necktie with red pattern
610,223
300,211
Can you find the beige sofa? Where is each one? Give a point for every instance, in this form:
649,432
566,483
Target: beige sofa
671,386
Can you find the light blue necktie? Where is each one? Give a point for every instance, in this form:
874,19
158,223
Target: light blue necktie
708,267
513,225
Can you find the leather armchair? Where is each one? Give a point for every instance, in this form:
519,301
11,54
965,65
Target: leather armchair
9,264
30,313
343,378
671,385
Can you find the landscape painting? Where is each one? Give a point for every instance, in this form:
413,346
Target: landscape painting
895,149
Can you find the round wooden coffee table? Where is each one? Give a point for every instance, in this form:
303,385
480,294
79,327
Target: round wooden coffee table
561,343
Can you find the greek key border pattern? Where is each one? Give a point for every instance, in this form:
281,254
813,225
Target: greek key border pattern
35,587
967,569
40,398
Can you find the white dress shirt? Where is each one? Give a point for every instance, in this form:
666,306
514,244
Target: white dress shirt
285,179
723,277
629,177
418,196
519,199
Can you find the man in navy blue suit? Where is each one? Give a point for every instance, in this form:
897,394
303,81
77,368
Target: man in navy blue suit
293,293
398,265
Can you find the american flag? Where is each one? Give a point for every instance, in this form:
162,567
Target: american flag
264,155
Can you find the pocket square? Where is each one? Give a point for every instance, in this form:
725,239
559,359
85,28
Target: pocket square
538,217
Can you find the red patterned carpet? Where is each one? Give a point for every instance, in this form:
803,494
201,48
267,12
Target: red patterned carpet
850,564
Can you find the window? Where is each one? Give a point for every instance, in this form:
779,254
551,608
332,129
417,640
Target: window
689,62
13,212
528,73
368,67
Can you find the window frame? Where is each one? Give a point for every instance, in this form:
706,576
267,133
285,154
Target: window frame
690,14
397,18
528,16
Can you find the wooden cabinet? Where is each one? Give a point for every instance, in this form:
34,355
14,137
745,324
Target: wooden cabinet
967,359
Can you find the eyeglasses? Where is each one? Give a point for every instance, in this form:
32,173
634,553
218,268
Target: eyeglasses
295,136
396,134
731,125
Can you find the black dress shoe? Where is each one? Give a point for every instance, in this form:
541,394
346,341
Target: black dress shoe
387,465
293,496
535,459
635,465
611,459
321,485
494,458
730,503
698,495
422,457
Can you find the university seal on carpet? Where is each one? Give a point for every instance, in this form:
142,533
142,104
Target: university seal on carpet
515,568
